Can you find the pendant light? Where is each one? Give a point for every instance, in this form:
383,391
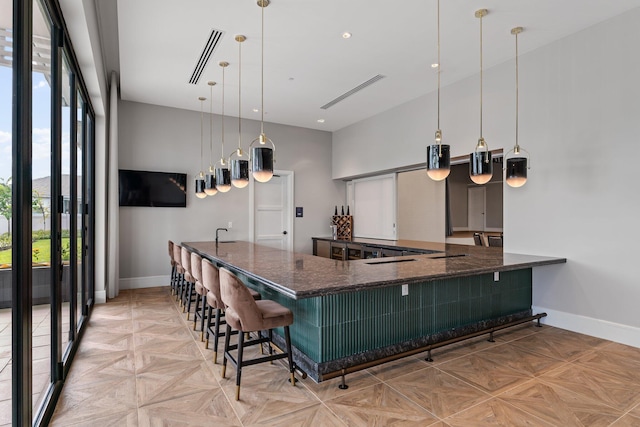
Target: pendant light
239,165
480,165
200,178
223,176
262,158
438,155
210,177
517,164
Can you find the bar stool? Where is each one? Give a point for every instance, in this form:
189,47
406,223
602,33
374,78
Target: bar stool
245,314
177,259
211,282
200,291
172,281
189,282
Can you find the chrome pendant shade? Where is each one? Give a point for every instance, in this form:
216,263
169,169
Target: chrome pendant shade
239,172
262,163
199,184
210,183
516,171
480,164
223,178
222,173
210,178
438,161
200,193
517,164
262,155
239,164
438,154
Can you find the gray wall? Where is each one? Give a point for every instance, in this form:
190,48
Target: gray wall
579,109
167,139
420,213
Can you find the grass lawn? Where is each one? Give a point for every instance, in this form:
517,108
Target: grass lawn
40,247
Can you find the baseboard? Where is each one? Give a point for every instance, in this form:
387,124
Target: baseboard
100,297
144,282
617,332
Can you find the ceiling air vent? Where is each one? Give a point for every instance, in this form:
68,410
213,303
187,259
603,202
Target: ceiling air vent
209,47
358,88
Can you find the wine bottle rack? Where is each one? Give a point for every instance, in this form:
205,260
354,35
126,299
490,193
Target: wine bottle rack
344,225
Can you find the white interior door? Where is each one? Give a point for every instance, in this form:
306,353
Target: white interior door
272,211
476,208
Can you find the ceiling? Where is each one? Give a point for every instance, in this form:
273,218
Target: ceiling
307,62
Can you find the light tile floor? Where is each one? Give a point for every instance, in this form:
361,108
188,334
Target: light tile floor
140,363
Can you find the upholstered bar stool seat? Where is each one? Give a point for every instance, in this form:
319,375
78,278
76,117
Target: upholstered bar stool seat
244,314
200,293
270,315
188,291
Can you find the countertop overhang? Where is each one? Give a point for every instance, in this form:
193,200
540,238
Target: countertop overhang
300,276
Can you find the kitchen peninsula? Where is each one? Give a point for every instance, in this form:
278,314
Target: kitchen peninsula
349,313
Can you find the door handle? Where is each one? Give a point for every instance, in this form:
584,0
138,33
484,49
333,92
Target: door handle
284,232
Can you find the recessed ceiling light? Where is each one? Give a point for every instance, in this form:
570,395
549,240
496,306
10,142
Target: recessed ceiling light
346,35
434,65
320,120
255,110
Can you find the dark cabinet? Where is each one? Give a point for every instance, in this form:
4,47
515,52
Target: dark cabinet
354,251
391,252
322,248
338,251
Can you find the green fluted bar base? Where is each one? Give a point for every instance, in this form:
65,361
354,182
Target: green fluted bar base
342,330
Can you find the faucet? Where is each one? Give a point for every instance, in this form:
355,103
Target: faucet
219,229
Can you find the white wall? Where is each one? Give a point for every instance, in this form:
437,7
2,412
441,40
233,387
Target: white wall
167,139
579,117
81,20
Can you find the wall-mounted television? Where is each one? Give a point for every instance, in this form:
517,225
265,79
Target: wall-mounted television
157,189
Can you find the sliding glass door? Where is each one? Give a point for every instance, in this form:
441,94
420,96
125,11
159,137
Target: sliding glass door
46,208
42,243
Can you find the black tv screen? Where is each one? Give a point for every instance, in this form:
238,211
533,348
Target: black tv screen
157,189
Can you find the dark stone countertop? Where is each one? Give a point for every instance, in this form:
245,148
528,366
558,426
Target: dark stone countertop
303,276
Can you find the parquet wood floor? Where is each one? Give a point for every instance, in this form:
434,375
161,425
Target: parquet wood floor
141,364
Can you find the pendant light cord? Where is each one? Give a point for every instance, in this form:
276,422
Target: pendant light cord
201,130
222,126
239,97
262,72
211,127
517,85
439,66
481,76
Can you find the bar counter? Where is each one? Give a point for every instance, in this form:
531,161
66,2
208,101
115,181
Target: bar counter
349,315
302,276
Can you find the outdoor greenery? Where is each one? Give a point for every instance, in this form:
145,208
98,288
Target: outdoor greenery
41,252
37,204
41,239
5,201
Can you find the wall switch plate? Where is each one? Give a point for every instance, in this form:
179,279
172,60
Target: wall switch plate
405,290
230,225
496,276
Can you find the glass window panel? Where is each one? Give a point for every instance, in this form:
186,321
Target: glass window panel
41,203
65,218
6,73
79,205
